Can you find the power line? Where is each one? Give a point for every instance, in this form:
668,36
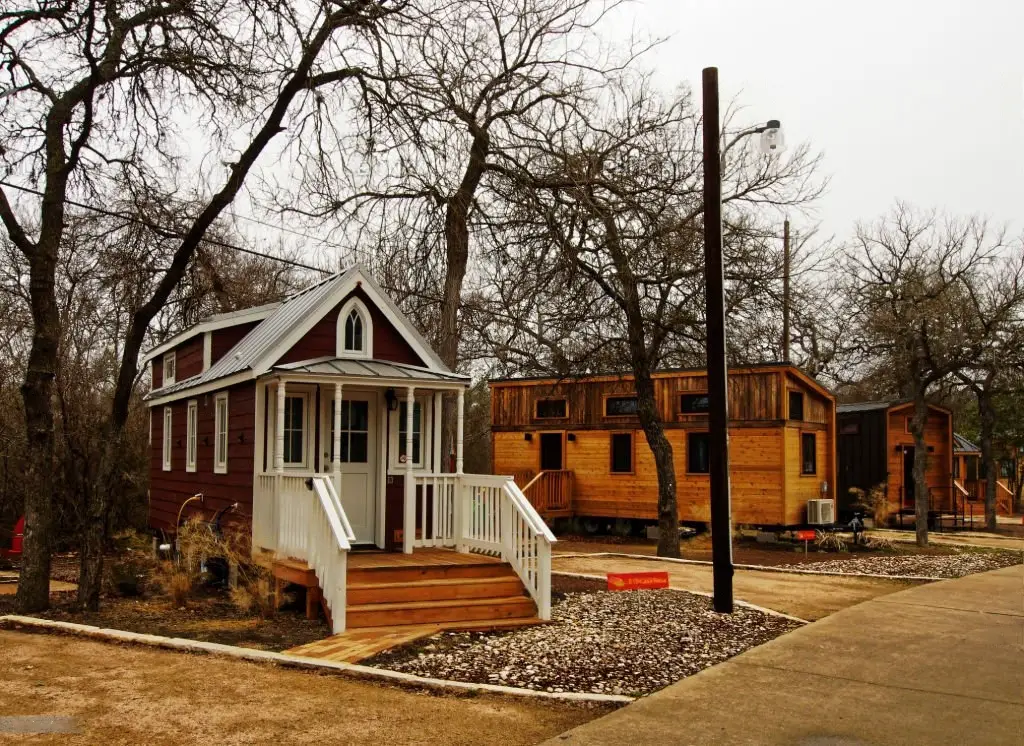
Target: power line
139,221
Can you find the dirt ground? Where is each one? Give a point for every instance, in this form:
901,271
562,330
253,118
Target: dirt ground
130,695
808,597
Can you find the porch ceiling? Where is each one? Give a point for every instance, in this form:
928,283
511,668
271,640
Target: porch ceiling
372,369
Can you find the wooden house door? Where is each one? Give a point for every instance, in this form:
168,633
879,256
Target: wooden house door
358,459
908,476
551,456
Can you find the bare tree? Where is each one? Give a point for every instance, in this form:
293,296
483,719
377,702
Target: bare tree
92,90
992,301
905,278
609,241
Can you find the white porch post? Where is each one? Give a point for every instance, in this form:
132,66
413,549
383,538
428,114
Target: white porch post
337,436
409,529
436,434
459,429
279,429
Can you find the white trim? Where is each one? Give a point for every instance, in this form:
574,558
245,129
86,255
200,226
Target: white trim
382,468
172,358
223,321
354,305
425,403
220,467
166,444
308,393
215,385
207,350
191,434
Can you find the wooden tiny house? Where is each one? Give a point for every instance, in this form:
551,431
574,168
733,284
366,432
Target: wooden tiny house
969,479
876,447
577,448
316,423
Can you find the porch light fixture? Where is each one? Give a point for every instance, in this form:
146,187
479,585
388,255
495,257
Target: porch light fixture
391,399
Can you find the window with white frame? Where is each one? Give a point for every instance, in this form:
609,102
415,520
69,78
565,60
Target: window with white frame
190,436
220,430
295,430
167,438
420,435
355,330
170,362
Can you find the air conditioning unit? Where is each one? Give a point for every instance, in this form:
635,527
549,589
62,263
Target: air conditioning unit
821,512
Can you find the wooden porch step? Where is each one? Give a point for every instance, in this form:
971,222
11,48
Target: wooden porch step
294,571
443,589
426,612
417,573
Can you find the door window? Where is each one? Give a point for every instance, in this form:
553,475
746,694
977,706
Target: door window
355,432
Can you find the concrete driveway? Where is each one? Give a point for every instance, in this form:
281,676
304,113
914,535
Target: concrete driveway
939,663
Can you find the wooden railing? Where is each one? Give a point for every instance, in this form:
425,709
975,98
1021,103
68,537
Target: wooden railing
550,492
489,515
300,516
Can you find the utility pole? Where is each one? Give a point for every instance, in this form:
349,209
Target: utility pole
718,405
785,291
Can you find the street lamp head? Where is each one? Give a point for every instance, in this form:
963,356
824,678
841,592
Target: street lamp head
772,140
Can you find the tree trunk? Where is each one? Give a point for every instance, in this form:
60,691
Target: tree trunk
987,416
37,394
97,512
456,238
654,430
921,497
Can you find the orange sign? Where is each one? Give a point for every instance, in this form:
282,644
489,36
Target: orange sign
806,535
636,581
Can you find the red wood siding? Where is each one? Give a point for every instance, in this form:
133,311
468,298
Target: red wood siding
321,340
158,372
169,489
224,339
190,358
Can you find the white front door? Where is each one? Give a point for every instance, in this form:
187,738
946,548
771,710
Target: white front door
358,457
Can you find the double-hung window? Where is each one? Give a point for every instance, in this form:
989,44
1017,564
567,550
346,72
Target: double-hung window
190,436
167,443
220,439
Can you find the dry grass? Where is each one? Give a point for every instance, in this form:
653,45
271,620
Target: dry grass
830,542
874,503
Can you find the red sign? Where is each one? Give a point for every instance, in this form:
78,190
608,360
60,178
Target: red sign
806,535
636,581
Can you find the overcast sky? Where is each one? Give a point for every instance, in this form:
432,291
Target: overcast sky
918,100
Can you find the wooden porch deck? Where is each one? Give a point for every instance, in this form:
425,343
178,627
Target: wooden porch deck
365,559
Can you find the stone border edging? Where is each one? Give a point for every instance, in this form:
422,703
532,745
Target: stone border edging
758,568
706,594
267,656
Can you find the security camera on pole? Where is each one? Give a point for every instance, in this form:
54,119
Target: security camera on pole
714,278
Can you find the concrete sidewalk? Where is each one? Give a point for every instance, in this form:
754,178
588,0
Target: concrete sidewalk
937,664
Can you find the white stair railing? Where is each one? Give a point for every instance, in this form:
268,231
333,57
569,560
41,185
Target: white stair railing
489,515
330,538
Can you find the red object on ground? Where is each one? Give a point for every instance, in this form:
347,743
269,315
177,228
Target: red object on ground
807,535
636,581
16,540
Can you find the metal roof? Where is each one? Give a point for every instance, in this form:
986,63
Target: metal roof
291,312
215,321
962,445
356,368
865,406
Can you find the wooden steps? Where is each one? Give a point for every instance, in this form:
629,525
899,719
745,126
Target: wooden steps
432,612
428,587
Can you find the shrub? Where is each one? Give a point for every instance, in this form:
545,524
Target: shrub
830,542
873,503
128,576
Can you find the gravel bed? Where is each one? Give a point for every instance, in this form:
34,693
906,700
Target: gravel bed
631,643
957,564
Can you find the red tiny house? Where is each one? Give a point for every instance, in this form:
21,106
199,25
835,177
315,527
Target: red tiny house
315,422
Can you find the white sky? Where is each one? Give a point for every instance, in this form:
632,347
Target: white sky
918,100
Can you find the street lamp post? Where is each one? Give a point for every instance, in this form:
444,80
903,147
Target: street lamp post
714,279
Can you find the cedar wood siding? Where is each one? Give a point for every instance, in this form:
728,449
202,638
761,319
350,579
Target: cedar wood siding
764,448
169,489
938,435
321,340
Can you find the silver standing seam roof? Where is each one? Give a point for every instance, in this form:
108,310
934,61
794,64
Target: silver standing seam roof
962,445
866,406
333,366
257,343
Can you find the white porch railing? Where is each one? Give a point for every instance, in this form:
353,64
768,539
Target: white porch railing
300,516
490,515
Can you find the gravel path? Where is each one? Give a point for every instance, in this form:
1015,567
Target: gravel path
961,562
614,643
